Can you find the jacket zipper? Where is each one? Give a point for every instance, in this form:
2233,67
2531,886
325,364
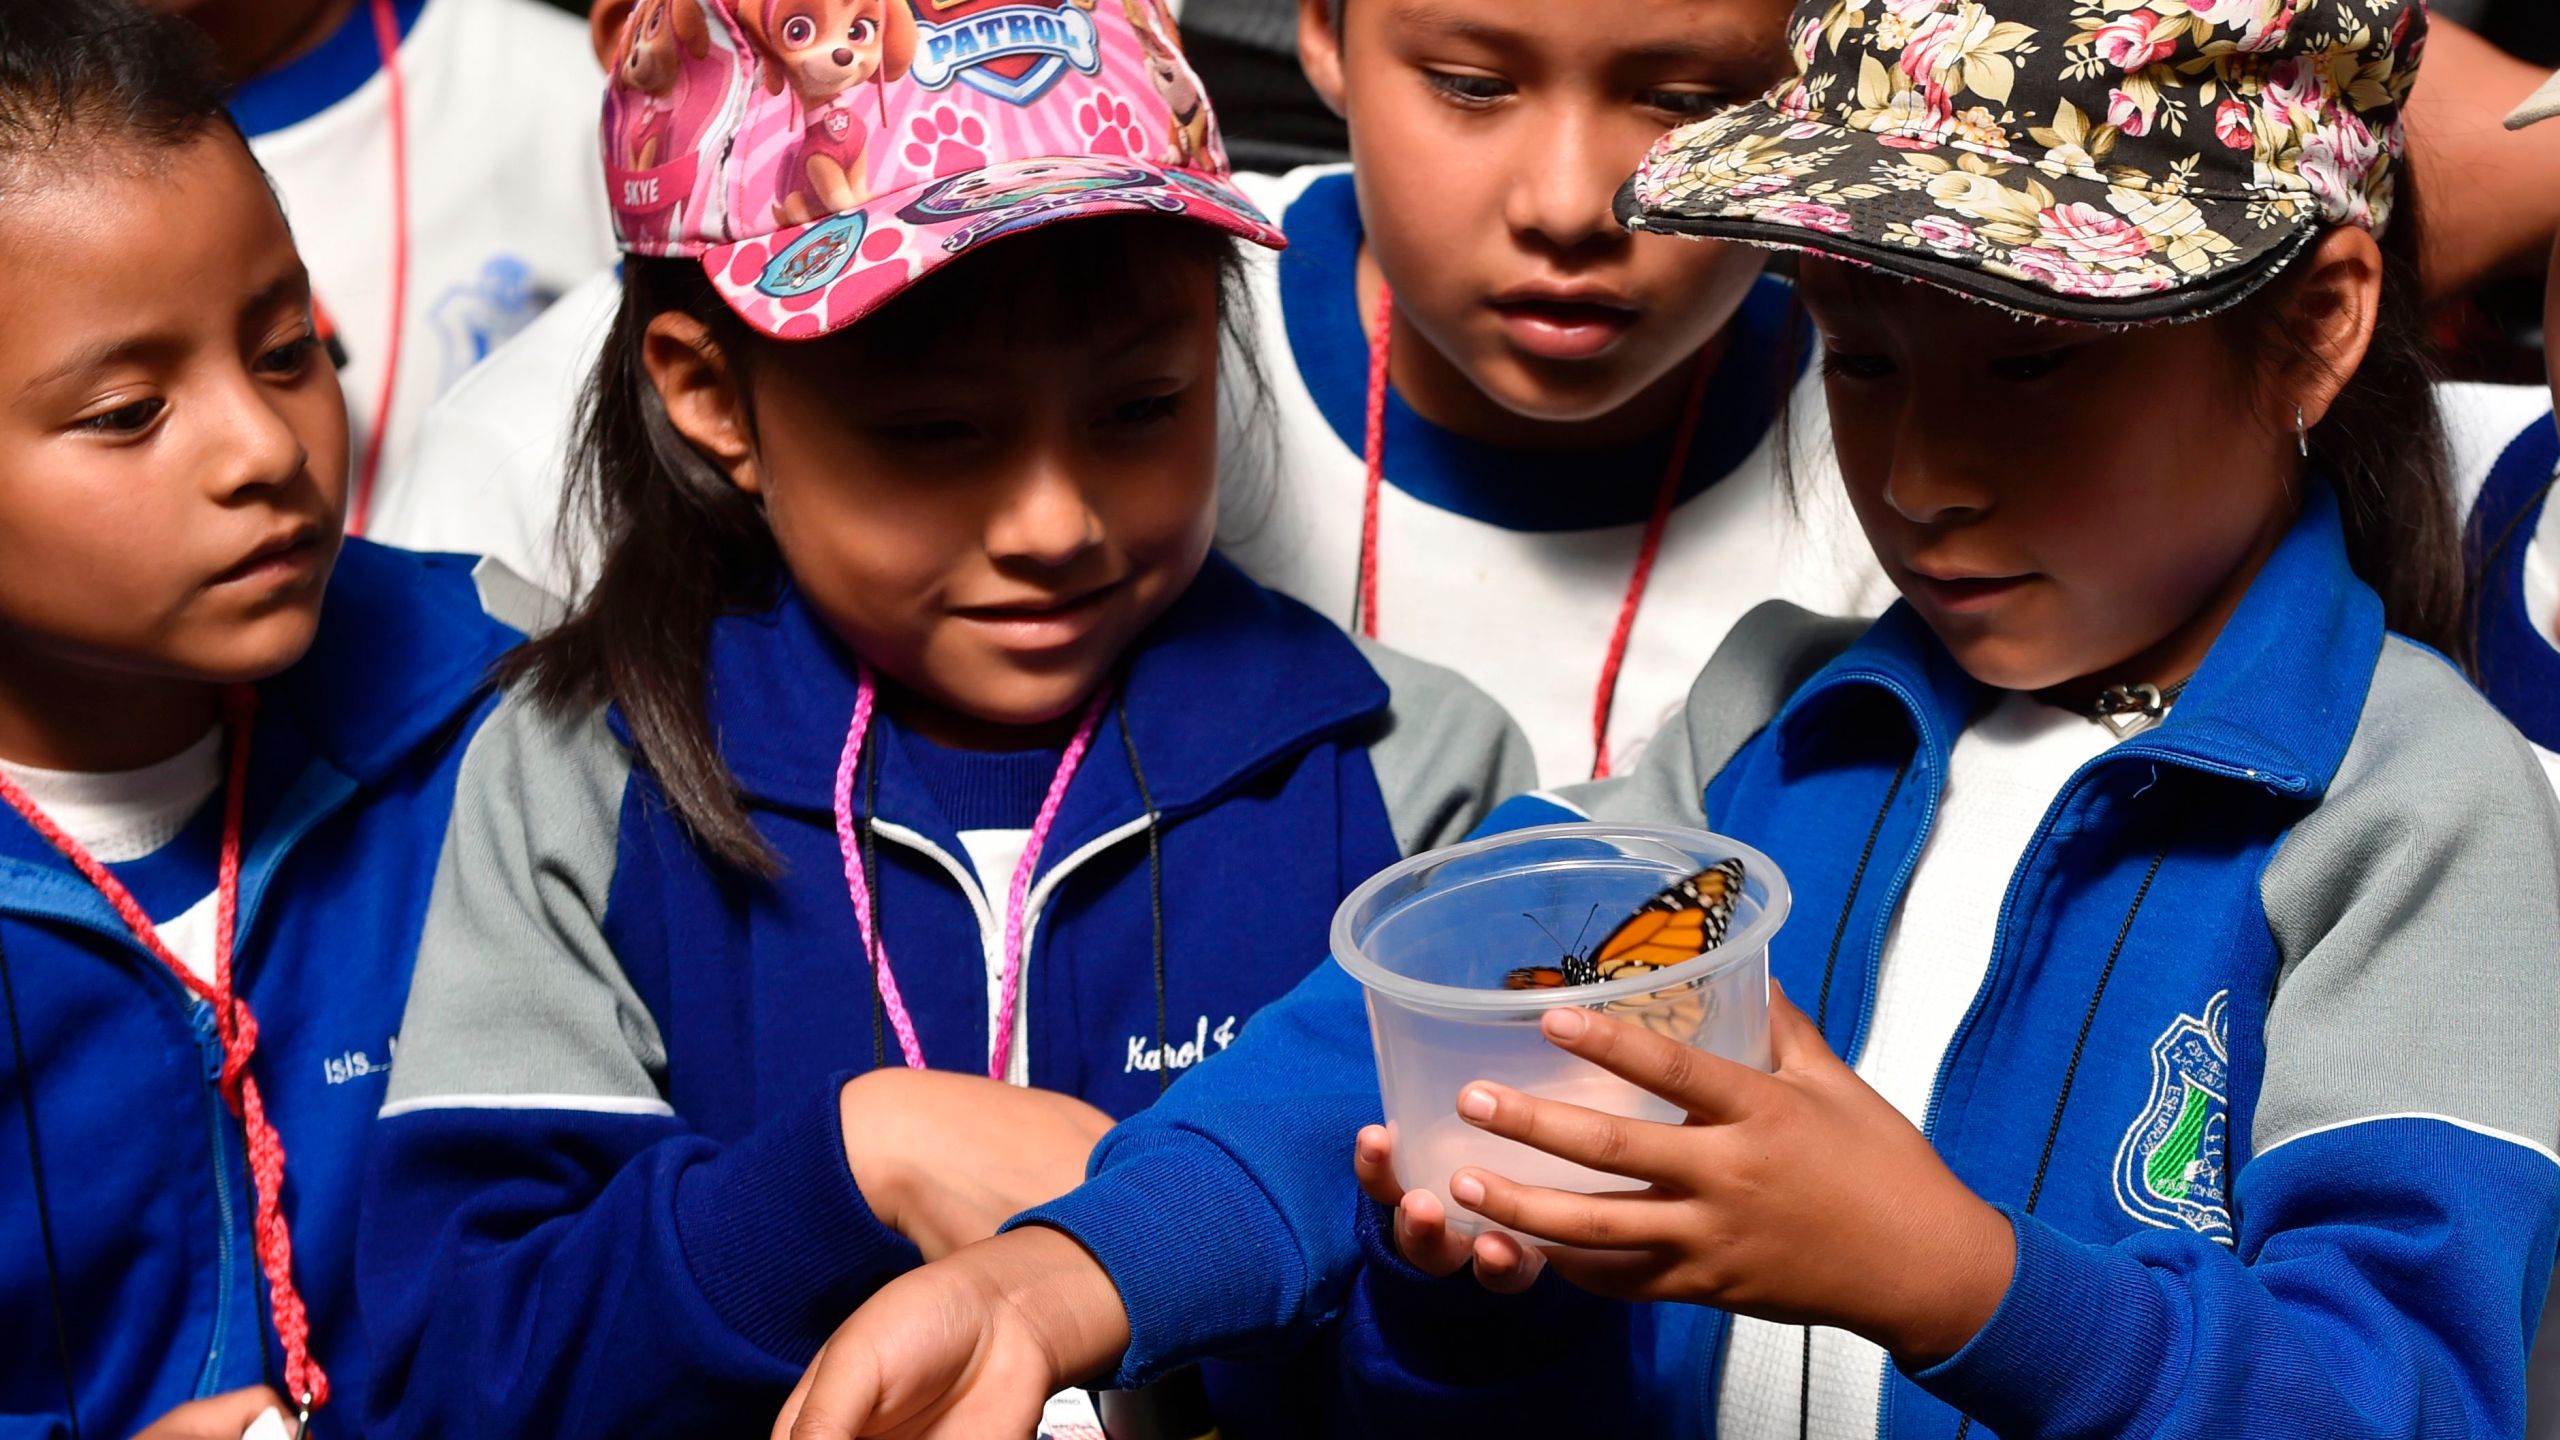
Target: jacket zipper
1901,877
1715,1341
301,814
2126,753
2123,754
201,1016
990,935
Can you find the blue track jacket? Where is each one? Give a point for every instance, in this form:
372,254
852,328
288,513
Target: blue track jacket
147,1183
2303,1180
611,1195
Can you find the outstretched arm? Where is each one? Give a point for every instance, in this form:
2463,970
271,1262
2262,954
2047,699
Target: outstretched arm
2488,196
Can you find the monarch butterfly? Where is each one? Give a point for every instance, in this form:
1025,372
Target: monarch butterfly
1684,921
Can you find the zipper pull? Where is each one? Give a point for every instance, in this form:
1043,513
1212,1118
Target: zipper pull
208,1038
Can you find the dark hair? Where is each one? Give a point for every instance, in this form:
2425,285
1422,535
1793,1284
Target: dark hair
680,545
75,74
2382,445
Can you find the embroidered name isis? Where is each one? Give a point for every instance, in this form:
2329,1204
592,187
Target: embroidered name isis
352,1065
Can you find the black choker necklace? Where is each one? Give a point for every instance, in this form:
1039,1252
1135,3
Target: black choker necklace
2132,709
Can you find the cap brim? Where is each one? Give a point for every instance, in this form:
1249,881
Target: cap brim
2041,241
2541,105
809,280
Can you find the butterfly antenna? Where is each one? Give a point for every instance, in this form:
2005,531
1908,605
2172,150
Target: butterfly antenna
1543,930
1585,932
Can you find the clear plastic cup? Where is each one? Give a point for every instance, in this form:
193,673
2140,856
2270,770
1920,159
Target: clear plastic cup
1431,939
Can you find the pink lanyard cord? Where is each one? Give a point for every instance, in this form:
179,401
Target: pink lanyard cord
1666,495
234,1027
1017,900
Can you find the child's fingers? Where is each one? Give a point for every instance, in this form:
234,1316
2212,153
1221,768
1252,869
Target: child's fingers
1794,1042
1619,1274
1709,1087
1639,1149
791,1403
834,1399
1423,1236
1590,1222
1373,1162
1504,1265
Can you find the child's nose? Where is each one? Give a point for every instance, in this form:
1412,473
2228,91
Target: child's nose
259,445
1928,488
1563,194
1046,522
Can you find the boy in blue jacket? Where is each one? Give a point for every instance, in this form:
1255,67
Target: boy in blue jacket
2174,939
228,742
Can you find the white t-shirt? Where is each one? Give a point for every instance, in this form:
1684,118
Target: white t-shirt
124,815
1510,566
2002,776
491,464
505,190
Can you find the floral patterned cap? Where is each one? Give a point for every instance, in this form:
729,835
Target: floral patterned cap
821,156
2541,105
2101,161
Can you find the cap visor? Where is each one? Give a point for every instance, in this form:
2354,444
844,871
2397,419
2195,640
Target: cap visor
2539,106
2040,241
809,280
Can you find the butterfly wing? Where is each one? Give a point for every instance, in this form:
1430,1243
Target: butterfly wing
1683,922
1536,977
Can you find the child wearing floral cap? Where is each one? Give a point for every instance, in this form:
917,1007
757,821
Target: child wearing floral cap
916,792
2166,1043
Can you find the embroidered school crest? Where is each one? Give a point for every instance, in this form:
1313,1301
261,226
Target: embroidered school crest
1004,48
2170,1168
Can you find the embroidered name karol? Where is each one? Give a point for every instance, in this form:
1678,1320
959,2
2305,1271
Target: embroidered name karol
1144,1056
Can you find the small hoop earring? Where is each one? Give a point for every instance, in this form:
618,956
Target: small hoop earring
2301,434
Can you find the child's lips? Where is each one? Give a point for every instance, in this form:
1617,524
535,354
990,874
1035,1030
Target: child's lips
1563,324
287,557
1970,594
1043,623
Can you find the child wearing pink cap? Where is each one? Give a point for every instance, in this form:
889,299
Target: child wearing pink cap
915,792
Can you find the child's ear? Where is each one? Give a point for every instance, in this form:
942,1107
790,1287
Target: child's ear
1320,50
604,28
699,387
2331,311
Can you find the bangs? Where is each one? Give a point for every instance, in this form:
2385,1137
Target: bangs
1046,286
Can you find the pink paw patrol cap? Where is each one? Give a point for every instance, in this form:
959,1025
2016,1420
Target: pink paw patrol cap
820,156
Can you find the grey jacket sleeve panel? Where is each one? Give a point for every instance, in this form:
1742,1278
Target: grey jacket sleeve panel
1764,659
518,999
1446,752
2417,911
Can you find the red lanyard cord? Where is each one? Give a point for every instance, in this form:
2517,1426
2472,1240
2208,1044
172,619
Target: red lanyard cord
386,38
234,1027
1666,495
1373,448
